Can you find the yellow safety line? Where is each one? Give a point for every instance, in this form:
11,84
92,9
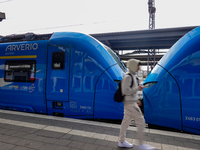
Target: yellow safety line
18,57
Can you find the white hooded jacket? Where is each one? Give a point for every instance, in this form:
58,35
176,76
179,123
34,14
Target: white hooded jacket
131,96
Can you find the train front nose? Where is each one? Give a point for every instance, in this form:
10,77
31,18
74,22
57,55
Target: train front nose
161,99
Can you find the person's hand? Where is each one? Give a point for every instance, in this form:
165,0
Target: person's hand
139,104
141,87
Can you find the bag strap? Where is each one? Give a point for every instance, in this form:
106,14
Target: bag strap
132,80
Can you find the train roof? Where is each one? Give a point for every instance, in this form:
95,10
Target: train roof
24,37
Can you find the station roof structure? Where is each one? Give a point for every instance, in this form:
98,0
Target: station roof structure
142,40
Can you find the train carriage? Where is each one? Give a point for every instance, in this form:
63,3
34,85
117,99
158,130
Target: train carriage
172,96
66,74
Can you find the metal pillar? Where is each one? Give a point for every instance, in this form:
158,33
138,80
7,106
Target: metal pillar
151,52
152,11
151,60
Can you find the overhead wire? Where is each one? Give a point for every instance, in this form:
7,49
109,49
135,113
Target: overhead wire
5,1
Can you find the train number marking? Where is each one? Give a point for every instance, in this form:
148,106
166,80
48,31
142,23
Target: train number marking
192,118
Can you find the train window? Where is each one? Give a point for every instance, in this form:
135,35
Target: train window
58,60
20,70
116,58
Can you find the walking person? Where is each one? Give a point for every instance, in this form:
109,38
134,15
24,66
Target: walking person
131,108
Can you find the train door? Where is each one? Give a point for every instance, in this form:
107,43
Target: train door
58,80
84,73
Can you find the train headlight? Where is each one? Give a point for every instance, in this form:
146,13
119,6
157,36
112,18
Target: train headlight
149,84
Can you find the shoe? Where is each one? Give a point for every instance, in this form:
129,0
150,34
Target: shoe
146,147
133,123
125,144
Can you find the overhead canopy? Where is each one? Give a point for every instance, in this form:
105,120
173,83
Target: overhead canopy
142,40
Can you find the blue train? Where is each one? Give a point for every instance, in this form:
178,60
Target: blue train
172,96
65,74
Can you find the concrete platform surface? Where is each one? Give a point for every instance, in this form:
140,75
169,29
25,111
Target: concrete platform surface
27,131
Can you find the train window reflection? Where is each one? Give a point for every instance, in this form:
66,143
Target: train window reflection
174,89
167,86
77,82
106,85
187,90
58,60
88,82
197,87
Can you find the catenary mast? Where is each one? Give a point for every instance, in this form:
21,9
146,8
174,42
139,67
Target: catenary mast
151,52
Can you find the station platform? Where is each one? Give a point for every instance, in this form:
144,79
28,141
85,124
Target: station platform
27,131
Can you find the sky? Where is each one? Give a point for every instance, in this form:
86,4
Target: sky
94,16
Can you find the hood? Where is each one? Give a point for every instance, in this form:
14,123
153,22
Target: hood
132,65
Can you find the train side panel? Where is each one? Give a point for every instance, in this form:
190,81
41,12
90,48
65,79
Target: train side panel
105,106
182,62
22,75
187,75
162,105
184,66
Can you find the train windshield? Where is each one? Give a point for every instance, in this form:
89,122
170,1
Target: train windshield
116,58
